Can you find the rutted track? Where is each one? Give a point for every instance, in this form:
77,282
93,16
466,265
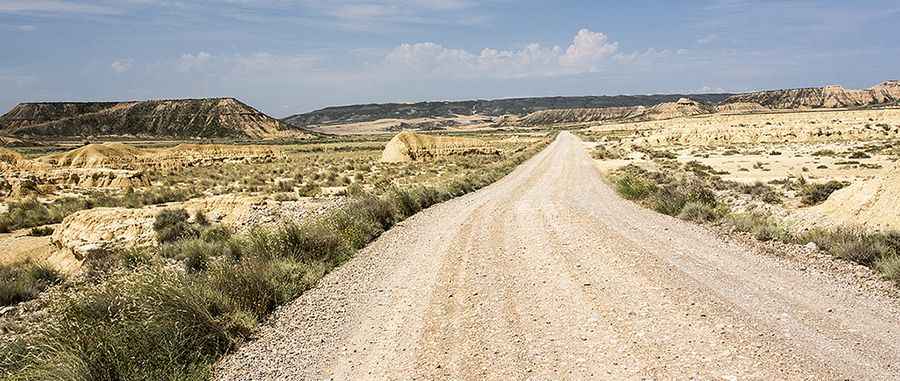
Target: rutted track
547,274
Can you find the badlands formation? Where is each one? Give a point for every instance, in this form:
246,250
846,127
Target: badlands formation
182,118
821,97
408,146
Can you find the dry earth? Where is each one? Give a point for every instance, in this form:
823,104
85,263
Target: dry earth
547,274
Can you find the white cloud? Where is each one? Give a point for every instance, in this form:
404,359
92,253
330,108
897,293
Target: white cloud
189,62
121,66
589,52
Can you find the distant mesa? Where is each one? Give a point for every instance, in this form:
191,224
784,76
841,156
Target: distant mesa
180,118
492,108
679,108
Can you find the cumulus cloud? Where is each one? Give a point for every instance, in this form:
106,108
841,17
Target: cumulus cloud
435,59
121,66
588,52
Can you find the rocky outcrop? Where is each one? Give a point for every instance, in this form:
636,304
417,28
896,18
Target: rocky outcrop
183,118
87,232
100,178
107,155
408,146
822,97
670,110
871,204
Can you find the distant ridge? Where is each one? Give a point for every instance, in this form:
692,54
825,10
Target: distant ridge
498,107
175,118
821,97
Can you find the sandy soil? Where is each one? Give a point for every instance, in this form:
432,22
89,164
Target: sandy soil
547,274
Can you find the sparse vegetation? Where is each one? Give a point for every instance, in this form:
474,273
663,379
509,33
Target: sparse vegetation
814,194
23,281
690,199
179,320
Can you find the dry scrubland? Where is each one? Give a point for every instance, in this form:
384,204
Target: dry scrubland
825,179
174,254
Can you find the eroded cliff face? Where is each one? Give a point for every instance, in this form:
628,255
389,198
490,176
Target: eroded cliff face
184,118
408,146
822,97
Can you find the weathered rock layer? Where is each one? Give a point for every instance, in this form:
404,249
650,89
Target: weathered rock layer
408,146
822,97
184,118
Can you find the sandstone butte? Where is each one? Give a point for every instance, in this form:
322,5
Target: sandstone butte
408,146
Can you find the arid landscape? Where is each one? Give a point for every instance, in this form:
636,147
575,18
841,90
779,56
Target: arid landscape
136,245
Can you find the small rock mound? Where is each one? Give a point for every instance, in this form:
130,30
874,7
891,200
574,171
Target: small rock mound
95,230
681,108
408,146
108,155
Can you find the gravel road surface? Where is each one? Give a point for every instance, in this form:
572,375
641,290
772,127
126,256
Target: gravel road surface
548,274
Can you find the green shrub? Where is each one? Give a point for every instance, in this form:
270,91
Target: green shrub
42,231
814,194
174,325
23,281
748,222
889,267
700,212
855,244
668,200
215,233
768,232
171,225
760,191
311,241
633,187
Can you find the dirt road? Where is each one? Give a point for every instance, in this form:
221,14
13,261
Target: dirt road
547,274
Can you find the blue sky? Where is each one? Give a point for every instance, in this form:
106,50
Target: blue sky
290,56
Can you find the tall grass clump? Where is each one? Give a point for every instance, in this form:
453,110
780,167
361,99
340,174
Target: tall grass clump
171,225
23,281
814,194
689,198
